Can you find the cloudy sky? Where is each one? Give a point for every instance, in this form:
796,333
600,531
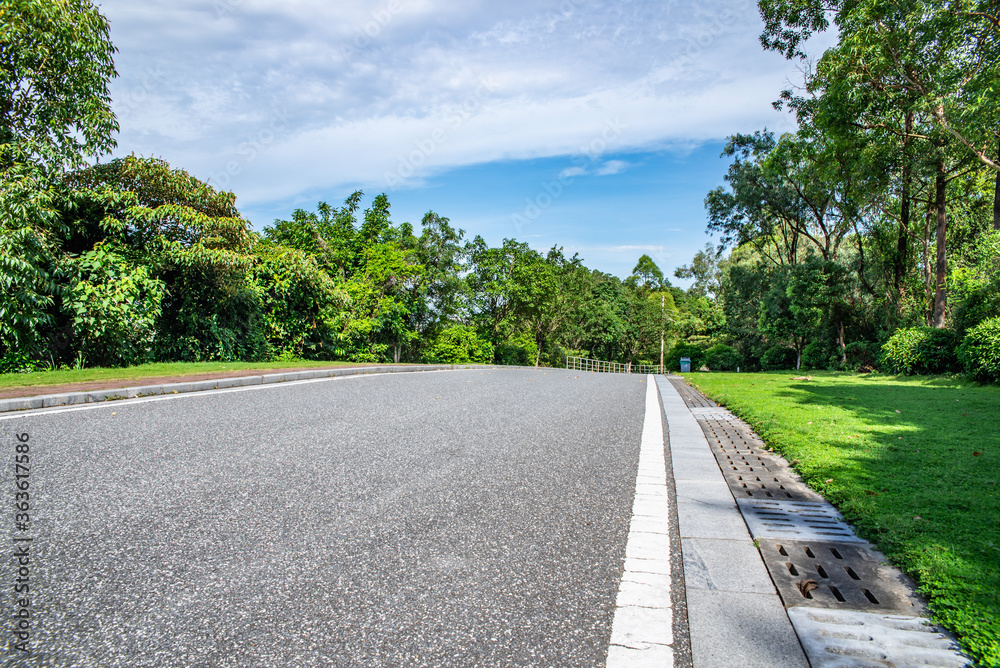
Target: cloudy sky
594,125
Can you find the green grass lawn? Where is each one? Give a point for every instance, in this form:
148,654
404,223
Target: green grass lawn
911,462
163,369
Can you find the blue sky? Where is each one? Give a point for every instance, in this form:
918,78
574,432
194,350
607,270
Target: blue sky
593,125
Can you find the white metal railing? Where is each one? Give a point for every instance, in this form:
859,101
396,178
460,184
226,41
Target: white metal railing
602,366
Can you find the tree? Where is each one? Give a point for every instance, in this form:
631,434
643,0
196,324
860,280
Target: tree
801,298
497,279
55,111
56,60
784,194
924,58
190,237
704,269
648,275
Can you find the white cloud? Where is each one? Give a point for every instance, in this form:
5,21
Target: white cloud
571,172
366,90
611,167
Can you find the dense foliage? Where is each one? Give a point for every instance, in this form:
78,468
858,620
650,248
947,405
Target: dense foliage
870,236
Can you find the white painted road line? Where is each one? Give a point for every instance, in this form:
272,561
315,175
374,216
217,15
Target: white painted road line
642,631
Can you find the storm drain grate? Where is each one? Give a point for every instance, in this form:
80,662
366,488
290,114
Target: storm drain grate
748,467
712,413
837,575
795,520
851,639
769,486
692,397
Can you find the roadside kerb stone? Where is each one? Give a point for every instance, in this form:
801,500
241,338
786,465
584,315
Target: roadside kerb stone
104,395
63,399
143,391
23,404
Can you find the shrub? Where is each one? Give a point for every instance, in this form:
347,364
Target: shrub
458,344
672,360
980,351
518,350
722,358
862,355
920,350
778,357
819,355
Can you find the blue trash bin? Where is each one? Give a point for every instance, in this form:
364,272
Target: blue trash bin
685,365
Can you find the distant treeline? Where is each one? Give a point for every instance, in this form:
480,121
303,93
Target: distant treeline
137,262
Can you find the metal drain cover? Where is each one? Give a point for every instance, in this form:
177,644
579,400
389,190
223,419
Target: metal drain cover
848,639
768,485
712,413
837,575
795,520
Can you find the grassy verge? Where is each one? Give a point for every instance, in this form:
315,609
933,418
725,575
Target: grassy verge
158,370
912,462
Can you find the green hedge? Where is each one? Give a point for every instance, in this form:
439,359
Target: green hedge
980,351
920,350
672,360
458,344
777,358
722,358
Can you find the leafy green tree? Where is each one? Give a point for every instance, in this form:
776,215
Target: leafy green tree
704,269
553,293
918,58
648,275
56,59
499,284
55,112
458,344
802,297
190,237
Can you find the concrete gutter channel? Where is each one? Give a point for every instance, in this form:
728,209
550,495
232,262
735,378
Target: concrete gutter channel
774,576
94,396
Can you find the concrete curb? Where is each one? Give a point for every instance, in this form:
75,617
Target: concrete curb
96,396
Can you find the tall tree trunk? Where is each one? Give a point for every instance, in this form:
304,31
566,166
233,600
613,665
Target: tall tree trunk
902,236
928,275
996,200
841,342
941,265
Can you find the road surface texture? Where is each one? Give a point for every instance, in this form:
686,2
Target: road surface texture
456,518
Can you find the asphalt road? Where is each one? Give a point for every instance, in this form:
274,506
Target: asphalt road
441,518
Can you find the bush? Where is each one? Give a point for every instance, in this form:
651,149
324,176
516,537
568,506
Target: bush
458,344
920,350
862,355
672,360
777,358
722,358
980,351
518,350
819,355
